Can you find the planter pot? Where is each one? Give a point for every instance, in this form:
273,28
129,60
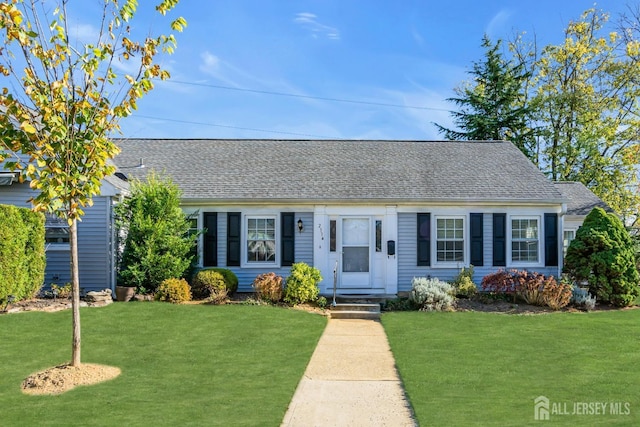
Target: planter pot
125,293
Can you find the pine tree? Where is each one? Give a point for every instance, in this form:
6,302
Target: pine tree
492,106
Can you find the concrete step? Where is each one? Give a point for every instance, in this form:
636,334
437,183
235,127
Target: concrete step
367,315
355,311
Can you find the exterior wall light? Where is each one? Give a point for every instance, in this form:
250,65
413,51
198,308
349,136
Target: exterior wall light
300,225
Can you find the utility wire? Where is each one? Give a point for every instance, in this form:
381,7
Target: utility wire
293,95
236,127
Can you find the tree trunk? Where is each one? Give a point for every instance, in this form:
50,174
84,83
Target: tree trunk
75,293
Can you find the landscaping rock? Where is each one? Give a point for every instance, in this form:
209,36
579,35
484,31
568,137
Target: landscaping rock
101,296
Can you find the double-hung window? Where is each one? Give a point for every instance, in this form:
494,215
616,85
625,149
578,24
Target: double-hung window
569,235
261,239
56,233
525,240
450,239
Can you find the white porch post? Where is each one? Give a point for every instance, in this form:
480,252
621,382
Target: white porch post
391,233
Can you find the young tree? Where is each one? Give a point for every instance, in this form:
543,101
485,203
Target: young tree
158,244
493,105
66,97
603,254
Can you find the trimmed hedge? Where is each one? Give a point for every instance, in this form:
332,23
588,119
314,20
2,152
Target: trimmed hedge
230,278
22,252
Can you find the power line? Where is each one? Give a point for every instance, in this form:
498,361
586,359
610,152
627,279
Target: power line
236,127
293,95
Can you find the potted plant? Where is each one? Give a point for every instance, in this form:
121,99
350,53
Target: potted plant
125,293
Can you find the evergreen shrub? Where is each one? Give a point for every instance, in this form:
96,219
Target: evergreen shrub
22,252
603,255
174,291
209,284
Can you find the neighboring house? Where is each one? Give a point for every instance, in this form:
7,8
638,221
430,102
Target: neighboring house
96,234
580,201
378,212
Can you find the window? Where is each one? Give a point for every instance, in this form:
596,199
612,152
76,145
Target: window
261,239
524,240
569,235
378,235
449,239
332,235
56,233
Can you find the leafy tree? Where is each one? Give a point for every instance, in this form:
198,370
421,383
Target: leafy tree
493,105
158,244
603,254
588,96
64,99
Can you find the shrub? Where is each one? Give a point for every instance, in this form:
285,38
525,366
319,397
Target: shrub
174,291
322,302
230,278
602,253
463,283
22,252
61,291
530,286
158,244
582,298
268,287
399,304
208,283
302,284
501,282
432,294
556,294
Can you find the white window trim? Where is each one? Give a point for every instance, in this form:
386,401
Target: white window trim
511,263
574,230
245,263
434,245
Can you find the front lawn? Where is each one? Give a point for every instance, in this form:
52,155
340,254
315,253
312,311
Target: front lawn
472,368
181,364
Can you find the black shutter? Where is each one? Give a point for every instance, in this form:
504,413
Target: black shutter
233,239
287,238
424,239
477,239
499,239
210,255
551,240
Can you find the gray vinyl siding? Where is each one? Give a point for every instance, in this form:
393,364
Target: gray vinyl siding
16,194
407,255
303,251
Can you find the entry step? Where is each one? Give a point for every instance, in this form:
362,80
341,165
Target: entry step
355,311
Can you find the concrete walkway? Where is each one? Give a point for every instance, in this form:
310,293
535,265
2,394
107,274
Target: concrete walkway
351,380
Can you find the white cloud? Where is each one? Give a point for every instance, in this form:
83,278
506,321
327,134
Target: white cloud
309,22
497,23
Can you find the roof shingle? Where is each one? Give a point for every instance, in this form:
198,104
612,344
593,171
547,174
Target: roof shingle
319,170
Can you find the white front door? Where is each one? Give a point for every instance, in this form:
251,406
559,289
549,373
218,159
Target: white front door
356,253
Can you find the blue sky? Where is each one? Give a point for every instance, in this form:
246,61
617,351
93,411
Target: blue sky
406,53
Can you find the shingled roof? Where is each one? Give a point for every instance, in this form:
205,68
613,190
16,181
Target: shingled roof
345,170
580,200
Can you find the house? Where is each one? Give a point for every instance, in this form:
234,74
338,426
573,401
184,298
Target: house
580,201
377,213
96,234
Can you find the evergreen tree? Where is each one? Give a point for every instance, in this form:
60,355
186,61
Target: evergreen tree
603,254
492,106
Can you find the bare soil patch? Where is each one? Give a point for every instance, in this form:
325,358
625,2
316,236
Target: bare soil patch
63,378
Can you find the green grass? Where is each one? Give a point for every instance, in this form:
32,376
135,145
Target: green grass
473,368
181,364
